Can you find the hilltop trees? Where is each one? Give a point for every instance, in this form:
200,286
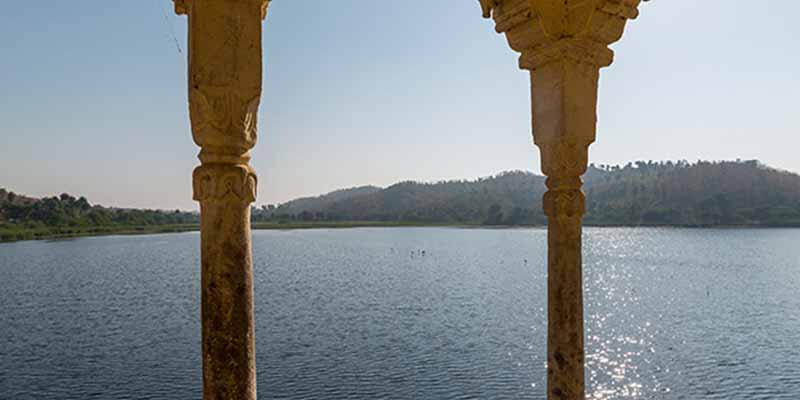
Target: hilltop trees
704,193
639,193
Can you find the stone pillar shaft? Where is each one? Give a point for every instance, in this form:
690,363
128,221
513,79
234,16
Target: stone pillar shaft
229,361
565,343
224,93
563,43
564,101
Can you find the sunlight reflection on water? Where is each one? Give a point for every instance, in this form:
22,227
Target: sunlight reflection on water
362,313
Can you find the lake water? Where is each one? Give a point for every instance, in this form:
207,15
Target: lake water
364,314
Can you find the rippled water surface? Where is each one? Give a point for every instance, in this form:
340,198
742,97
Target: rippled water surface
409,313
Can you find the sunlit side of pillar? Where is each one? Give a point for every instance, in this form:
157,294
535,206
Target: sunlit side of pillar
563,43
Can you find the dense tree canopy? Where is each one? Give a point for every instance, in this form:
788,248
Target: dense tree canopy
65,213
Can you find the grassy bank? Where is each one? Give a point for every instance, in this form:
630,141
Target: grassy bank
57,232
11,234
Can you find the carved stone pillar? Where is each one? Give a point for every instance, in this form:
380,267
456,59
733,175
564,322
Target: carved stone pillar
224,94
563,43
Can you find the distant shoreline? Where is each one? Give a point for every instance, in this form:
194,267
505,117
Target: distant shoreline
725,194
50,233
76,232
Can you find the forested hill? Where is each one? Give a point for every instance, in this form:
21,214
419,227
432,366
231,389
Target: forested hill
743,193
320,203
641,193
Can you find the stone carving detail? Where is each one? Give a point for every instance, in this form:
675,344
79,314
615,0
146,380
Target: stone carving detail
182,6
224,182
225,84
487,6
588,26
564,158
561,18
565,207
564,203
577,50
222,118
627,9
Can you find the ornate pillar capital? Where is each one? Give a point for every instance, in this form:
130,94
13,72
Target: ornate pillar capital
545,31
221,183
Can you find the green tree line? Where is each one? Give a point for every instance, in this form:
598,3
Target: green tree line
741,193
26,218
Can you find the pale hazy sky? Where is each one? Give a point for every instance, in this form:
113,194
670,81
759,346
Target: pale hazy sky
93,95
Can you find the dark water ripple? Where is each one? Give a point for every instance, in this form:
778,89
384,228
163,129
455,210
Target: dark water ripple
364,314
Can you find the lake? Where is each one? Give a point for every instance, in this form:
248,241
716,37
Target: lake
409,313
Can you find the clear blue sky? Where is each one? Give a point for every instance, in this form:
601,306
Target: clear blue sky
93,95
